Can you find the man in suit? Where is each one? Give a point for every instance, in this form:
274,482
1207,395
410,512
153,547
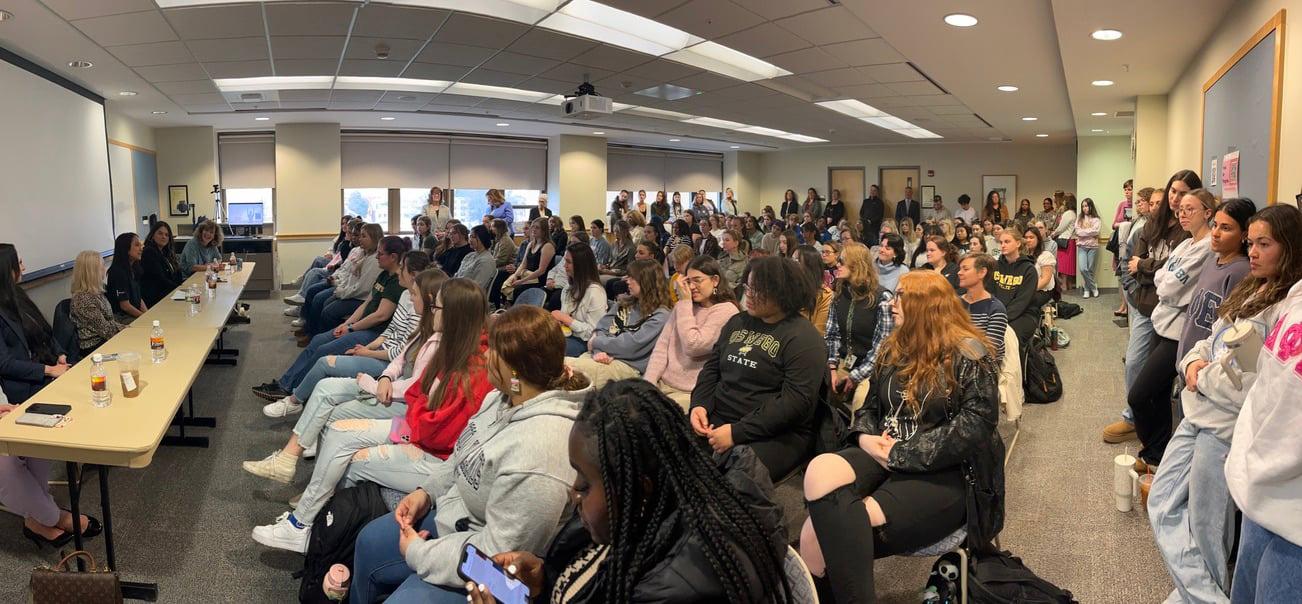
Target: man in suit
908,208
871,214
541,210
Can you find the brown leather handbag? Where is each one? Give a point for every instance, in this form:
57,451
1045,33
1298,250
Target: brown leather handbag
59,585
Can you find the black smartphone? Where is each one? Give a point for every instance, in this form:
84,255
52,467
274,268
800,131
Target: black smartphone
479,568
48,409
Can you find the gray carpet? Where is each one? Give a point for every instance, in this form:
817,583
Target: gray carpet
184,521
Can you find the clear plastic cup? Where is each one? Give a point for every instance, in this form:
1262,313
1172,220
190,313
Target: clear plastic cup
129,373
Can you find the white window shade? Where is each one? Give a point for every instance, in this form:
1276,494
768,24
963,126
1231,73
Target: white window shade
693,173
498,164
393,161
633,170
247,161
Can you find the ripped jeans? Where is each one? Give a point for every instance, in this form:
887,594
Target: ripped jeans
353,450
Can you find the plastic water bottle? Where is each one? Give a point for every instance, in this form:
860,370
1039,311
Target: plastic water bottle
99,391
156,344
230,265
192,295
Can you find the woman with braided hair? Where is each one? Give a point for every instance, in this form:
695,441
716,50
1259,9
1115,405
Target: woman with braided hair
652,521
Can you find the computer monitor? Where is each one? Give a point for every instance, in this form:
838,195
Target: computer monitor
245,214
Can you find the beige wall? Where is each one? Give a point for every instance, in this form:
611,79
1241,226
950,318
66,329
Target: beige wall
187,156
308,203
1103,164
1039,168
1184,130
579,174
126,130
741,171
1151,122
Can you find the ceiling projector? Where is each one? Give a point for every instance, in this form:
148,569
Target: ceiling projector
584,104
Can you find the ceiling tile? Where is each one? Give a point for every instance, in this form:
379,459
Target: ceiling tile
394,107
306,67
462,28
742,92
706,81
839,78
950,110
894,72
373,68
133,28
552,45
397,22
611,58
663,70
239,69
400,51
206,107
645,8
806,60
492,78
828,26
173,73
867,91
237,49
764,40
189,87
456,100
407,98
199,99
800,87
915,88
873,51
306,47
356,96
892,101
710,19
310,19
454,54
512,62
912,113
304,95
430,71
303,104
549,85
206,22
570,72
776,10
933,100
159,53
350,106
81,9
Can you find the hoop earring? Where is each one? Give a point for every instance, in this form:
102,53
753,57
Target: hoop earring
515,383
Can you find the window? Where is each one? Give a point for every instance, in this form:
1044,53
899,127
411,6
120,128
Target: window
470,205
411,203
523,200
250,196
371,205
687,197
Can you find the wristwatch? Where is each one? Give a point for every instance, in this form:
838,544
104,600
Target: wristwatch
349,328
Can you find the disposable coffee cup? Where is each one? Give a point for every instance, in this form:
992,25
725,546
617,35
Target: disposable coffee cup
1123,486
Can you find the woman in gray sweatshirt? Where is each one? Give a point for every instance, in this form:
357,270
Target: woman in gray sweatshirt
623,339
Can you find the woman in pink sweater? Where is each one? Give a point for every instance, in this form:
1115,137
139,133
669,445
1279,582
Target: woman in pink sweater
705,303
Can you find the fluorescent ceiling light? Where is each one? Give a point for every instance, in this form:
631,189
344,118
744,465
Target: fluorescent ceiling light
762,131
889,122
1096,130
800,138
588,19
523,11
274,83
1029,119
715,123
960,20
502,124
720,59
735,147
598,133
388,118
497,92
917,133
675,140
1106,35
397,84
159,112
261,119
1102,83
1099,113
852,108
1006,88
1042,135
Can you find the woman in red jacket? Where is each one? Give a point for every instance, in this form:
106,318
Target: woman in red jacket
402,452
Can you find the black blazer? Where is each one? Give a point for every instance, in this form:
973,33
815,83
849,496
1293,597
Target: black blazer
20,376
908,208
534,214
158,275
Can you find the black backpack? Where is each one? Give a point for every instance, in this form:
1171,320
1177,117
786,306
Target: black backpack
1002,578
1043,383
334,535
1067,310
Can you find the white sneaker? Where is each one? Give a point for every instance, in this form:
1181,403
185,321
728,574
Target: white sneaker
295,300
278,467
297,323
292,311
283,535
309,452
284,407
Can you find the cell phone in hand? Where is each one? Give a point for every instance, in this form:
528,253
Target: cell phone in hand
477,567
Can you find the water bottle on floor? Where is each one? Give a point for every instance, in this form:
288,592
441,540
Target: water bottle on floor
156,345
99,392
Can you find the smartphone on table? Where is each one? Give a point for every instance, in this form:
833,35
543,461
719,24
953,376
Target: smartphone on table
477,567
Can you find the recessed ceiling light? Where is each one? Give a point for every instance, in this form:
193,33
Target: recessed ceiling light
1096,130
261,119
1106,35
388,118
159,112
675,140
960,20
6,15
127,93
598,133
735,147
1102,83
1007,88
1029,119
79,64
1042,135
1099,113
502,124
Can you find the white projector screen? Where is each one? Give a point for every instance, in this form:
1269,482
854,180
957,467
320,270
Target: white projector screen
55,196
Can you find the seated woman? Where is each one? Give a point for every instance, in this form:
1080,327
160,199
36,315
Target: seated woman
987,312
402,452
622,340
372,357
1015,280
160,268
812,262
732,260
315,276
583,300
504,488
204,249
538,257
1046,265
829,254
705,304
760,385
942,257
123,291
638,468
90,309
1189,505
331,301
929,418
478,265
890,261
857,324
30,358
424,238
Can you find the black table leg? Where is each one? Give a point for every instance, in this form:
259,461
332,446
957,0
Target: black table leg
217,356
131,590
74,501
182,420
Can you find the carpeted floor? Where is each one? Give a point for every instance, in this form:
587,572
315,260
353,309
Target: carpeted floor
184,521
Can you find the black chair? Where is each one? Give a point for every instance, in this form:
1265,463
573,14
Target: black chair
65,331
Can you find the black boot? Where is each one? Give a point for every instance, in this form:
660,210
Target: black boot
845,537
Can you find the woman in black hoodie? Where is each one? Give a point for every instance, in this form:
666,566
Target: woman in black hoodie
160,268
651,521
1014,284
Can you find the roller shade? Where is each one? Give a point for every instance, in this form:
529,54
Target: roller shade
498,164
633,170
655,169
692,173
384,161
247,161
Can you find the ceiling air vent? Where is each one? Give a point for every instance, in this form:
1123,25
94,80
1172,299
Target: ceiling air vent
1125,114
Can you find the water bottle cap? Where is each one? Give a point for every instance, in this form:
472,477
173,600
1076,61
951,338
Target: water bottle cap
98,358
155,323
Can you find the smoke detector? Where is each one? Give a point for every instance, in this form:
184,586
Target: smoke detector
381,51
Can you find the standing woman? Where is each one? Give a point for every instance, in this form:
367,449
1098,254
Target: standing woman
790,204
1024,213
812,205
924,437
537,259
203,249
583,299
858,322
622,340
1015,283
942,257
835,210
1063,236
90,309
438,214
705,304
994,210
160,268
1086,234
500,209
759,387
124,278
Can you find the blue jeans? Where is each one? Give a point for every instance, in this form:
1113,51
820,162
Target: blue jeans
345,366
320,262
379,570
1085,265
1142,339
1269,567
322,344
313,301
312,277
334,314
1192,515
574,346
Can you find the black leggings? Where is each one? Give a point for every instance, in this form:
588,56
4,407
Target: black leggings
1150,399
785,453
920,509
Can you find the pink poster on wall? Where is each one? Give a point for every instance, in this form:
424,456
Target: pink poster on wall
1230,175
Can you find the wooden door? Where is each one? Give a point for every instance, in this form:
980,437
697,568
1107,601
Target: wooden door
894,180
850,182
